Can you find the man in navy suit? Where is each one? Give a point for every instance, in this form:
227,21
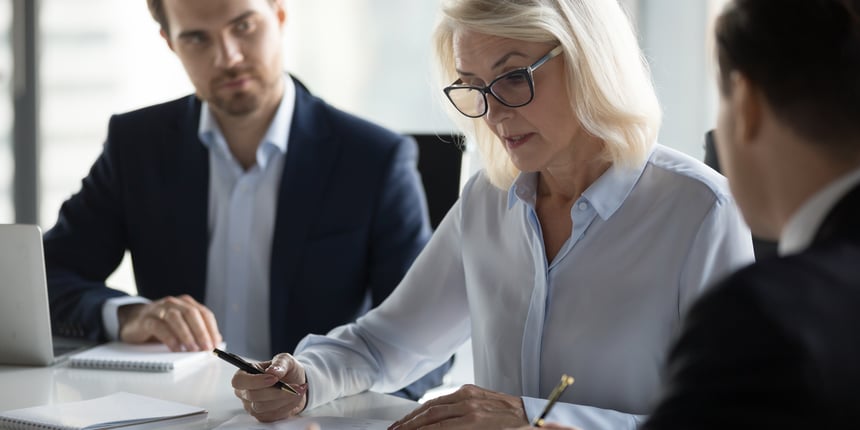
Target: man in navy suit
253,211
776,345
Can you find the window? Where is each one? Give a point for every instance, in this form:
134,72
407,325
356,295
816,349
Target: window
101,57
369,57
7,169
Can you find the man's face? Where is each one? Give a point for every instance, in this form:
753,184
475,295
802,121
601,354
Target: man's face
740,161
231,50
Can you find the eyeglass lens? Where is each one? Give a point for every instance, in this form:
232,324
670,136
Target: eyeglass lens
513,89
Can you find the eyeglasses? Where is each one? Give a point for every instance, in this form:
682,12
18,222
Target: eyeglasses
512,89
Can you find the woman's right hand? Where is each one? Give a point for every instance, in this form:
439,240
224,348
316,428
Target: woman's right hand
265,402
547,426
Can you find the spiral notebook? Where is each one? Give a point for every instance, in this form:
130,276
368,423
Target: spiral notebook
116,410
150,357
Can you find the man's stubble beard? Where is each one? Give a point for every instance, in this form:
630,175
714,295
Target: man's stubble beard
240,104
245,102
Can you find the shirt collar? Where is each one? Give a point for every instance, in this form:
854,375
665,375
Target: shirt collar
523,189
606,194
274,141
805,222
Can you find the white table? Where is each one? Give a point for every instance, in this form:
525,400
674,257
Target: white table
207,386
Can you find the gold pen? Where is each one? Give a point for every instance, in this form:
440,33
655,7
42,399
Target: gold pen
553,397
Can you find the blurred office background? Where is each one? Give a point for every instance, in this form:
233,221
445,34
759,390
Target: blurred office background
67,65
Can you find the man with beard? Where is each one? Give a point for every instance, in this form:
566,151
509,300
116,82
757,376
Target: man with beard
253,211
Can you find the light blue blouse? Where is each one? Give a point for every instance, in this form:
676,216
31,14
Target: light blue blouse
645,243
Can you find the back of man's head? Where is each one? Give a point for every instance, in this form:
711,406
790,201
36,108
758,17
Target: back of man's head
804,56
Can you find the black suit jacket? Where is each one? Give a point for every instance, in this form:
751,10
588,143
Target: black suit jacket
351,217
777,345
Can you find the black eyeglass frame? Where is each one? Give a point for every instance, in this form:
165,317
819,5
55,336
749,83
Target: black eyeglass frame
528,72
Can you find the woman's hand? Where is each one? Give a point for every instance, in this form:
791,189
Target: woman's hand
266,403
470,407
547,426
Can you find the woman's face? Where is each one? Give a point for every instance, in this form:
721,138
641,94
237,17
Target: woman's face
540,134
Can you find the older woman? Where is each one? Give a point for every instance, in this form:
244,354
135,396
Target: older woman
576,250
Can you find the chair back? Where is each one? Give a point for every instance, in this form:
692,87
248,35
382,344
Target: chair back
440,159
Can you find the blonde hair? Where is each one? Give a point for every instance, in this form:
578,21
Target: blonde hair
608,81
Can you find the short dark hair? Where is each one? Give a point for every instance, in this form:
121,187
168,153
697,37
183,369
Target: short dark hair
804,55
156,9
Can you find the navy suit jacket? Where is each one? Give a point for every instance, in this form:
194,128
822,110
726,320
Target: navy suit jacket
775,346
351,217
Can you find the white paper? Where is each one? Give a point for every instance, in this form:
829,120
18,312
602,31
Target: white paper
114,409
247,422
151,357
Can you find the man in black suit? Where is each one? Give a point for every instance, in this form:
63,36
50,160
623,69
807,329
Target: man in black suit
251,208
776,345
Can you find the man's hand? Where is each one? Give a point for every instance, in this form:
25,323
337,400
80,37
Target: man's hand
470,407
266,403
181,323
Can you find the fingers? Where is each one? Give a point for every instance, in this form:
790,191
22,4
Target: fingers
284,366
270,410
467,408
265,402
201,322
547,426
558,426
440,401
181,323
282,360
246,381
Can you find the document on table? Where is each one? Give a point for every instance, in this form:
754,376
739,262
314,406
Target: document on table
112,411
247,422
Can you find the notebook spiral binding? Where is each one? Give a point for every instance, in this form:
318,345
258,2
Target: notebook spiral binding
141,366
15,424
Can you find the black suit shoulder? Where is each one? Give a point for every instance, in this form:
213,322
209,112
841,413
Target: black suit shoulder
773,346
160,112
349,131
162,124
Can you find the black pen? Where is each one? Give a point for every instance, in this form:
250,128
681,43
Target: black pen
553,397
248,367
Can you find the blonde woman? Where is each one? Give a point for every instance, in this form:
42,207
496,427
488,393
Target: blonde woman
576,250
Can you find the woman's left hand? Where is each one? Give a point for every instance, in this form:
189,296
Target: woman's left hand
470,407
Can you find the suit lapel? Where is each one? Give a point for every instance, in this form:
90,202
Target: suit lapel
187,181
310,160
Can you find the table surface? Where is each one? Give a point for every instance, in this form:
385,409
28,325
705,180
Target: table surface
206,386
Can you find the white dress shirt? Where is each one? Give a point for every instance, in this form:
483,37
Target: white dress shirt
645,243
242,211
241,224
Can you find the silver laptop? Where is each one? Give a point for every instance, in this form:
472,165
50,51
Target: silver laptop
25,322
